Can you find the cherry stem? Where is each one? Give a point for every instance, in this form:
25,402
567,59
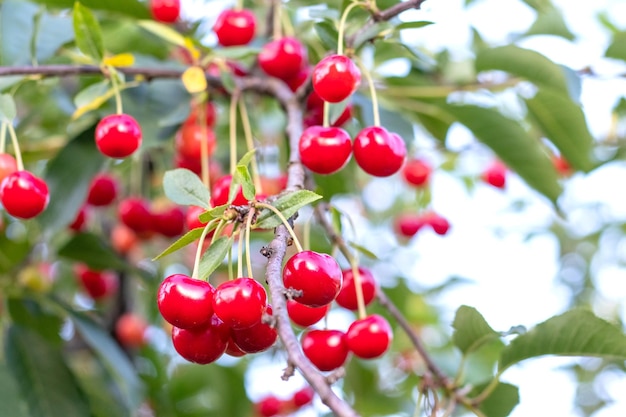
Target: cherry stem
196,262
238,5
247,132
277,28
232,120
248,226
240,253
3,138
373,94
116,90
204,147
358,286
326,114
285,223
231,275
342,26
16,147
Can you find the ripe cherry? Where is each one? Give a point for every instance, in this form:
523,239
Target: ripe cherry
240,303
347,296
222,188
209,114
118,135
282,58
166,11
303,397
79,221
8,165
135,213
204,344
562,166
325,150
408,225
269,406
185,302
379,152
495,175
192,217
170,222
24,195
123,239
299,79
315,117
130,330
233,350
305,316
438,223
102,190
370,337
326,349
257,338
417,172
97,284
335,78
317,275
235,27
188,141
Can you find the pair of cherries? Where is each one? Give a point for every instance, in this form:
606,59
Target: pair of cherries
409,224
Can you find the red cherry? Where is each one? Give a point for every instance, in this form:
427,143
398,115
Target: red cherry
326,349
315,117
303,397
233,350
130,330
417,172
8,165
282,58
495,175
118,135
185,302
439,224
209,114
269,406
166,11
235,27
123,239
257,338
135,213
191,218
221,189
305,316
370,337
169,223
240,303
317,275
102,190
24,195
325,150
188,141
335,78
562,166
299,79
97,284
201,345
79,221
408,225
378,151
347,296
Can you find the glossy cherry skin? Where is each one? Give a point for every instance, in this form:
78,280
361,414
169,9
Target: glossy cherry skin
408,225
103,190
416,172
326,349
240,303
235,27
130,330
8,165
347,296
233,350
439,224
192,219
282,58
97,284
317,275
335,78
166,11
305,316
170,222
135,213
325,150
188,141
220,193
185,302
379,152
204,344
118,135
370,337
257,338
24,195
495,175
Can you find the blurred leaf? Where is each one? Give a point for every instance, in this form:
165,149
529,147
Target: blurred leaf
29,313
501,402
185,188
88,33
242,176
336,219
574,333
68,175
92,98
362,383
413,25
16,29
539,5
516,148
163,31
288,205
563,122
120,60
45,381
327,32
550,22
92,250
189,237
12,252
97,385
524,63
52,33
194,80
371,32
214,256
8,111
364,251
134,8
617,47
11,402
471,331
236,52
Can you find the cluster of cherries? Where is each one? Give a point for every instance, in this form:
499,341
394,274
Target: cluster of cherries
23,194
271,405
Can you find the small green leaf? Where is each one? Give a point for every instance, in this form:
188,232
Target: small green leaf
189,237
214,213
574,333
214,256
288,205
413,25
92,97
501,401
617,48
327,32
242,176
92,250
364,251
164,32
8,110
185,188
247,158
471,331
88,33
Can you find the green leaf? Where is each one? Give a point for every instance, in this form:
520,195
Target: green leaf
31,314
163,31
563,122
16,29
45,381
93,96
288,205
501,401
574,333
189,237
53,32
68,176
214,213
185,188
550,22
327,33
247,158
214,256
471,331
617,48
371,32
12,252
242,176
11,402
363,250
524,63
8,110
88,33
513,145
413,25
92,250
134,8
236,52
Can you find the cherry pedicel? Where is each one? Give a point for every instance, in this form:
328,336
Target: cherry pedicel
282,58
370,337
379,152
347,296
417,172
305,316
326,349
325,150
185,302
240,303
135,213
118,135
8,165
495,175
317,275
102,190
166,11
235,27
257,338
335,78
202,345
24,195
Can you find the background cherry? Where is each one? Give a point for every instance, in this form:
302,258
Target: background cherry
317,275
269,406
379,152
24,195
347,295
240,303
495,175
130,330
188,141
185,302
416,172
166,11
303,397
97,284
235,27
135,213
438,223
408,225
305,316
335,78
170,222
79,221
326,349
118,135
325,150
103,190
370,337
282,58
